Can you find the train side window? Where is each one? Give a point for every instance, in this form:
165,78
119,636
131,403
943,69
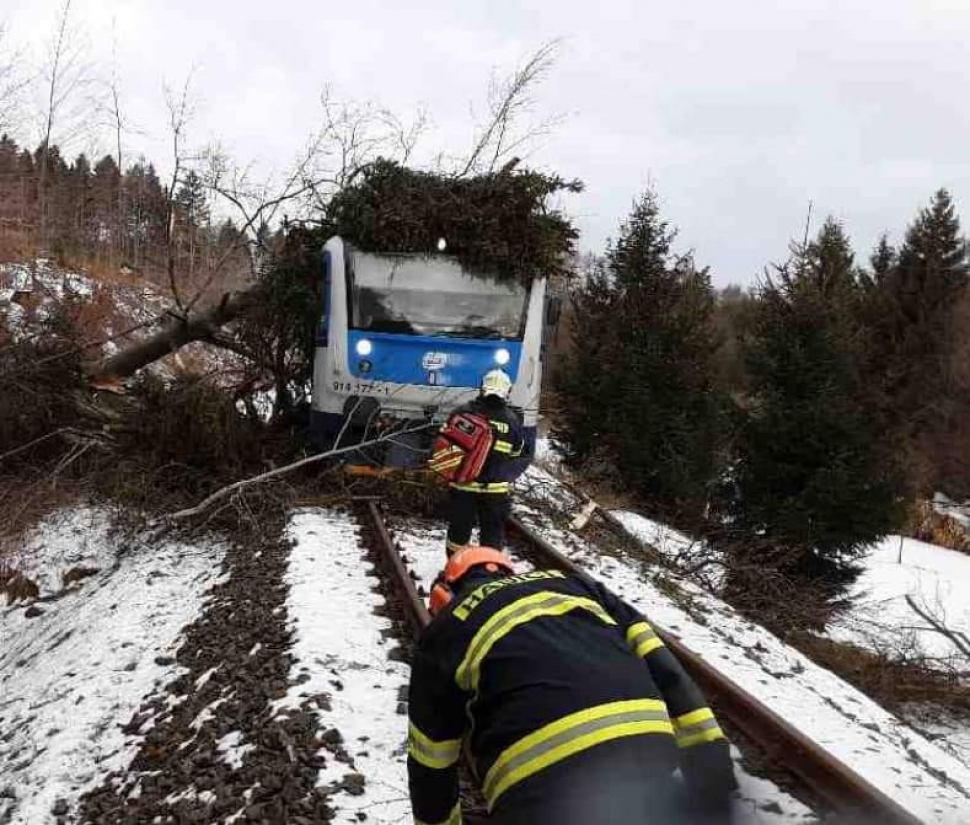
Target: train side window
323,328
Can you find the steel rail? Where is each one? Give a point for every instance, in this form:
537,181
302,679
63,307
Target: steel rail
413,604
417,614
834,782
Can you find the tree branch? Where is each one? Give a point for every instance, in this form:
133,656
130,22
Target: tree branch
303,462
959,639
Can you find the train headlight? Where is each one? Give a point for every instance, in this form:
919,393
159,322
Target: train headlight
502,357
364,347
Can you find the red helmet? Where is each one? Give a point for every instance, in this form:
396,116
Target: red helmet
458,565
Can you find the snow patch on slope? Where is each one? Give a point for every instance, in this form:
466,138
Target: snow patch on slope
938,581
72,676
63,541
921,777
663,539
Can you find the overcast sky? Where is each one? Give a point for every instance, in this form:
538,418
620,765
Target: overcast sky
739,113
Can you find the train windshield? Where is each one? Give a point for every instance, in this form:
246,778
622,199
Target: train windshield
431,296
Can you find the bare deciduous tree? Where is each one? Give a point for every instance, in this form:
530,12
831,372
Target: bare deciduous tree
350,136
119,125
65,74
180,111
506,133
12,82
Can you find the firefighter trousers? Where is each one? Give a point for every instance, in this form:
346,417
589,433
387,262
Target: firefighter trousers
611,784
488,510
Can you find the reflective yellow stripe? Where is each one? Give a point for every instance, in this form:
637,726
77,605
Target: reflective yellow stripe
574,733
501,426
647,647
697,727
502,446
430,753
454,818
446,451
692,718
446,465
544,603
642,638
476,487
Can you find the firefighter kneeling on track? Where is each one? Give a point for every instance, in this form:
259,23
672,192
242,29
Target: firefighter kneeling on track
480,450
570,708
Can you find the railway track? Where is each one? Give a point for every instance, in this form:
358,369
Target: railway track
843,796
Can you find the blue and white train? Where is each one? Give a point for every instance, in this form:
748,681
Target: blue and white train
409,337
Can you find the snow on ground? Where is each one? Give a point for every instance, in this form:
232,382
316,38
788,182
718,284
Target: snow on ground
72,676
942,726
920,776
657,535
48,285
342,650
938,581
66,540
546,455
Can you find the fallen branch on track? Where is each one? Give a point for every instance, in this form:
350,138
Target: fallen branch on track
222,492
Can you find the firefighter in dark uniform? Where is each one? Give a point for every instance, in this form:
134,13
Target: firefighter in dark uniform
487,499
570,708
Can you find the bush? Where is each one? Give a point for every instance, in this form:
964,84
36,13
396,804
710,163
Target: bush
40,376
192,424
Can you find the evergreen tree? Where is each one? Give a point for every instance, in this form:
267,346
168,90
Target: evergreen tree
815,481
882,261
191,200
640,385
583,379
914,318
107,180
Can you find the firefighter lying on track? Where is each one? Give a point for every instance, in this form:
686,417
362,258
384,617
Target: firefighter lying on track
569,706
481,452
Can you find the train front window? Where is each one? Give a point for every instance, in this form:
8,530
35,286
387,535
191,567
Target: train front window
431,296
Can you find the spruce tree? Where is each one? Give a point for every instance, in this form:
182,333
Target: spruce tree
915,302
640,387
585,379
815,483
882,261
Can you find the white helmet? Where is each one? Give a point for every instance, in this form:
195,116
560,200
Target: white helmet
497,383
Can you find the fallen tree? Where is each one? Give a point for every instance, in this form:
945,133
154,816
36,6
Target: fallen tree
500,224
177,331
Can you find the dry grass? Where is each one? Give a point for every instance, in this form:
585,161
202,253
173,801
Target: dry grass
927,525
16,246
886,679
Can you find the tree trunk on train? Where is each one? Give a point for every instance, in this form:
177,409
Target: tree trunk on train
179,331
